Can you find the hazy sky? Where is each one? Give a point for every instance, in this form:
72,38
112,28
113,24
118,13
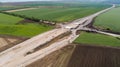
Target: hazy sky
21,0
42,0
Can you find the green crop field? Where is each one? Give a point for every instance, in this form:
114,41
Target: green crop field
61,13
97,39
9,26
4,8
7,19
118,5
56,14
7,8
110,19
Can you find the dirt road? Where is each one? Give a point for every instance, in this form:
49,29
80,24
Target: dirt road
101,32
27,46
20,9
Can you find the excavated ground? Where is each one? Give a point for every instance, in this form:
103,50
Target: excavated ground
59,58
9,41
81,56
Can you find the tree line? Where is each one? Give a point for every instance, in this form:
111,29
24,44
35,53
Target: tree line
30,18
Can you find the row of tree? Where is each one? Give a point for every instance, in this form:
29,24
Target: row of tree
31,18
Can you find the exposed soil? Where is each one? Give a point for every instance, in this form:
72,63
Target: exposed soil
93,56
25,21
81,56
9,41
62,36
58,58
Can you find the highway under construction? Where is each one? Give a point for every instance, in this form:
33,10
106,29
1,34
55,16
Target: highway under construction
42,45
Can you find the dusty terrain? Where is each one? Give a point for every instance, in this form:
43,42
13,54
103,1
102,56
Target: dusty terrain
94,56
16,54
81,56
9,41
58,58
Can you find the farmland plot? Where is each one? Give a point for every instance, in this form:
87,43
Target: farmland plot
109,20
9,26
78,55
59,14
6,7
92,56
97,39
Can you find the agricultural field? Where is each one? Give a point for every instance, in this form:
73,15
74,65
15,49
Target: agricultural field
80,55
56,48
97,39
61,13
118,5
66,4
9,26
5,8
92,56
109,20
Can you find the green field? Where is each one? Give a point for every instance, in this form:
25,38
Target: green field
110,19
60,13
7,19
9,26
12,7
97,39
67,4
4,8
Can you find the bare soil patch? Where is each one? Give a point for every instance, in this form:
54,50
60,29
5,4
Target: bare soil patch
9,41
81,56
58,58
93,56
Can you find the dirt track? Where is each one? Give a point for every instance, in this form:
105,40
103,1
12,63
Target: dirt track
58,58
81,56
9,41
20,9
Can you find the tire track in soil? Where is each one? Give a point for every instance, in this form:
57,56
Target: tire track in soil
92,56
